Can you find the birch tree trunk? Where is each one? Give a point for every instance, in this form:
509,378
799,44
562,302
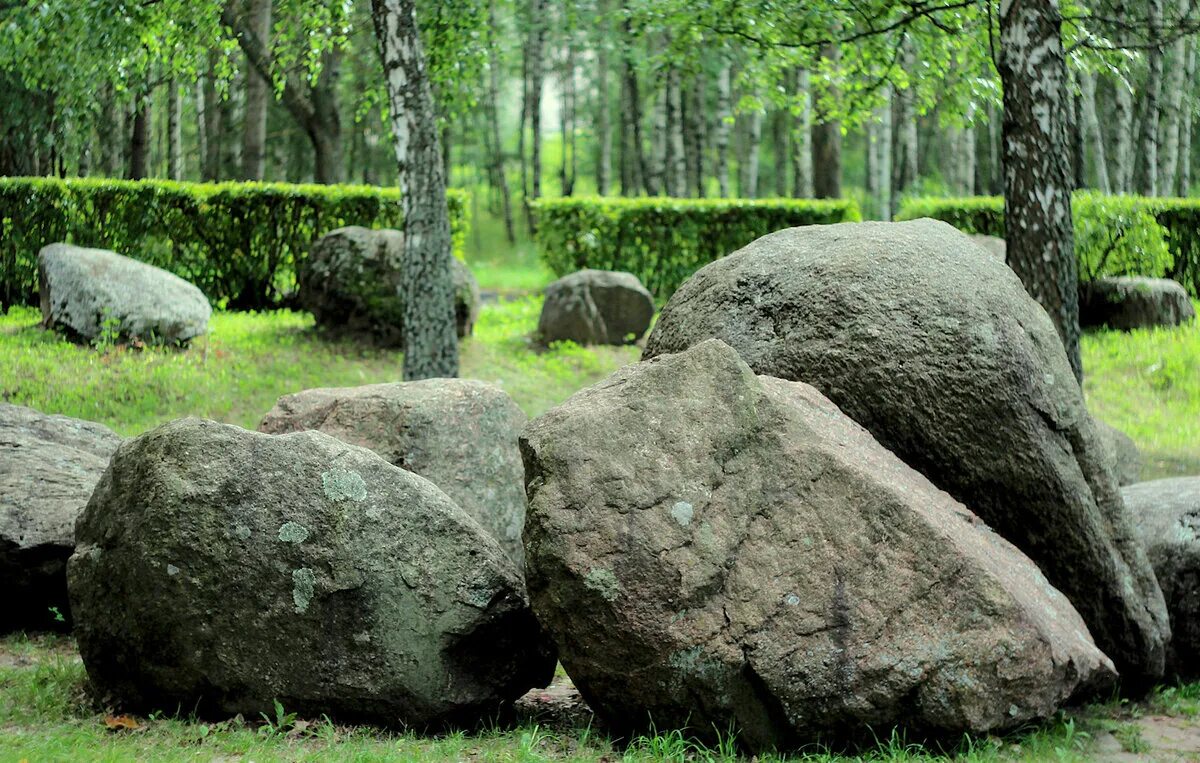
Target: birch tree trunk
499,170
779,153
657,176
881,160
1037,193
430,344
723,127
258,94
1093,134
1146,166
1123,161
603,117
1169,132
802,167
676,158
748,170
174,131
567,121
1186,117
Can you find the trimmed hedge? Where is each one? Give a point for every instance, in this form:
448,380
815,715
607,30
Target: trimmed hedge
664,240
1114,235
238,242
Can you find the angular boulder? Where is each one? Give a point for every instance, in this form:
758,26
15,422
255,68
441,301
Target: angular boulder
1167,515
222,570
350,282
710,548
48,468
951,365
1126,458
596,307
1134,302
459,434
94,293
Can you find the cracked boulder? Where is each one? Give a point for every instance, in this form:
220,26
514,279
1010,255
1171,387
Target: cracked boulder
596,307
945,358
1167,515
713,549
222,570
459,434
48,467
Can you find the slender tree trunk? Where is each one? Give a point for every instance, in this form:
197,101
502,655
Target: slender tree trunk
633,158
139,139
1170,127
537,74
748,170
567,122
258,94
656,179
1186,117
1147,164
802,167
827,147
779,141
677,160
904,124
881,164
1075,140
109,132
1123,164
1091,127
1037,193
603,117
174,131
723,127
499,171
693,119
996,173
210,169
430,344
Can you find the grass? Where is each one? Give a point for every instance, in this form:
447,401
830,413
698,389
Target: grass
1147,384
250,359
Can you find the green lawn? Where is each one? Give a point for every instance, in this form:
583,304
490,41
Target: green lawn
1146,382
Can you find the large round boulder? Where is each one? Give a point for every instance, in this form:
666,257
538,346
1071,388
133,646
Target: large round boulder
944,357
714,549
221,570
459,434
93,294
48,468
596,307
351,279
1167,515
1134,302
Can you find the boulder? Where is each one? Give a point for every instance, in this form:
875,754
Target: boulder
94,293
596,307
951,365
714,549
993,245
1167,515
222,570
1126,458
1133,303
459,434
48,467
350,282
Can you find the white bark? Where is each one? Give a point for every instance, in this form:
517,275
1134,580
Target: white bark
723,128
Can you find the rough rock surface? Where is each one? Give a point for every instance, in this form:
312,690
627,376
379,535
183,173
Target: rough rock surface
596,307
1127,459
708,546
1167,515
952,366
221,570
48,468
350,282
94,292
1134,302
459,434
993,245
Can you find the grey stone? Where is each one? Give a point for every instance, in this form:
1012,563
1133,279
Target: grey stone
221,570
91,293
993,245
351,279
1167,515
596,307
48,467
1134,302
944,357
459,434
1126,458
710,548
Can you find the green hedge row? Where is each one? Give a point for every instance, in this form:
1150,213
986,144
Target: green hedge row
663,240
238,242
1114,235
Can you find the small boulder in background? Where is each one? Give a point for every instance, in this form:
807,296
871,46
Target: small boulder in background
596,307
222,570
714,549
48,468
1130,302
350,282
993,245
459,434
1127,459
95,293
1167,515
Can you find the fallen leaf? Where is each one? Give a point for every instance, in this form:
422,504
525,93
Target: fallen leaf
121,723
